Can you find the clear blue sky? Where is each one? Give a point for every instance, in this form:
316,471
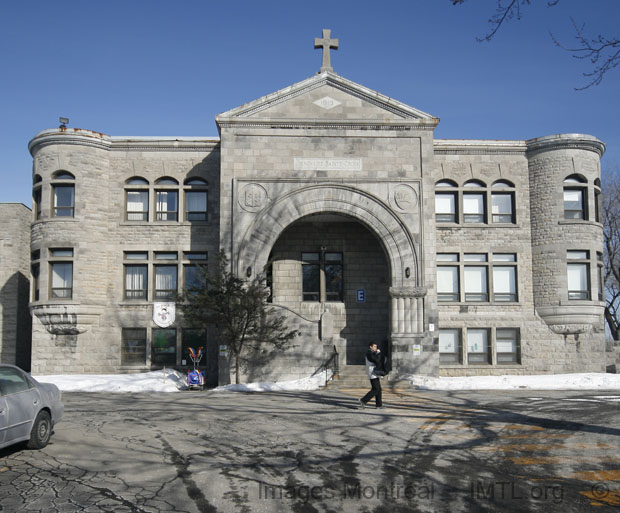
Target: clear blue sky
164,68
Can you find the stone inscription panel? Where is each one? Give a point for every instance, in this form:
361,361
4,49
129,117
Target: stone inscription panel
327,164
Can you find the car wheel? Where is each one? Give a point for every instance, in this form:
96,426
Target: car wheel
41,431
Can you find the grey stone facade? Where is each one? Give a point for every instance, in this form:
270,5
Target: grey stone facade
325,167
15,317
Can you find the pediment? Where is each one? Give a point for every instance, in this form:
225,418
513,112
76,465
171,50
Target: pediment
326,99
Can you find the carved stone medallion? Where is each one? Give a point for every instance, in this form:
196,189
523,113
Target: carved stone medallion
405,198
253,197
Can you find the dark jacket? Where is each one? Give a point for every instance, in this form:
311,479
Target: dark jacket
373,361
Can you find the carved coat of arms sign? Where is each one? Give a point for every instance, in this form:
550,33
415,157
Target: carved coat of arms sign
164,314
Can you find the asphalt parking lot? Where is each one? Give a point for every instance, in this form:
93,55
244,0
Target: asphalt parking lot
493,451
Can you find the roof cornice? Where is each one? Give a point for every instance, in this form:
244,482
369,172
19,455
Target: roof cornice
89,138
565,142
478,147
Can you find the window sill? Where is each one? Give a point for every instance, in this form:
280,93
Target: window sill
582,302
580,221
56,220
478,365
449,226
165,223
480,303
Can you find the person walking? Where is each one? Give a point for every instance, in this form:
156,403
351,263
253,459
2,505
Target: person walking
374,368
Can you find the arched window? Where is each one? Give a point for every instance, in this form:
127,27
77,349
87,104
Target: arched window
137,199
503,202
474,203
196,197
575,197
137,180
167,200
446,202
63,194
167,181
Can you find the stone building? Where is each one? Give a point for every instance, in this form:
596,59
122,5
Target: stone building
461,256
15,320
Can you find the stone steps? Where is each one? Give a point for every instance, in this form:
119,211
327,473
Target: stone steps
350,376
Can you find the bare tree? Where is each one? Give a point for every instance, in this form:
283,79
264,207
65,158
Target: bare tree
602,51
611,221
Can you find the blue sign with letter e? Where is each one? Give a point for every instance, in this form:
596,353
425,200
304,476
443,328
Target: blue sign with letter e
361,296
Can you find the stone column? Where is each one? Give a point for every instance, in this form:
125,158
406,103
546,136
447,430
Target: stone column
408,330
407,310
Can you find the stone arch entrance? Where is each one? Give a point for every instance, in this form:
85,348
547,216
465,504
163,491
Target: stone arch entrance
406,287
332,269
257,241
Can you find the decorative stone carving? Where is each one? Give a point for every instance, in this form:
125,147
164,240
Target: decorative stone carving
327,103
397,292
570,329
405,198
67,319
253,197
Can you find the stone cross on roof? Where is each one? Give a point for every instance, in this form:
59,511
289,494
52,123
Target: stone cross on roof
326,43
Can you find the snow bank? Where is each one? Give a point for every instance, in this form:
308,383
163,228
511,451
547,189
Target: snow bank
311,383
588,381
155,381
173,381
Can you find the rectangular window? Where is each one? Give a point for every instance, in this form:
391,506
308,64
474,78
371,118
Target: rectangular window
36,271
136,279
137,205
504,283
578,281
62,280
478,346
447,283
194,279
600,275
166,255
502,207
507,345
578,275
167,206
473,208
164,350
445,207
136,255
574,204
333,277
165,282
36,202
64,200
133,346
449,346
196,205
476,283
311,276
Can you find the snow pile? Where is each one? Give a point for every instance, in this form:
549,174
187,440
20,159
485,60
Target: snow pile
588,381
155,381
173,381
312,383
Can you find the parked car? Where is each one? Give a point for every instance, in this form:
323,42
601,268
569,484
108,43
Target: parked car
28,409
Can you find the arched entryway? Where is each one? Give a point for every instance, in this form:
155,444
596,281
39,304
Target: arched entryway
330,263
252,246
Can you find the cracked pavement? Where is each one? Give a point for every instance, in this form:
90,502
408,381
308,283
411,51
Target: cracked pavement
314,451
